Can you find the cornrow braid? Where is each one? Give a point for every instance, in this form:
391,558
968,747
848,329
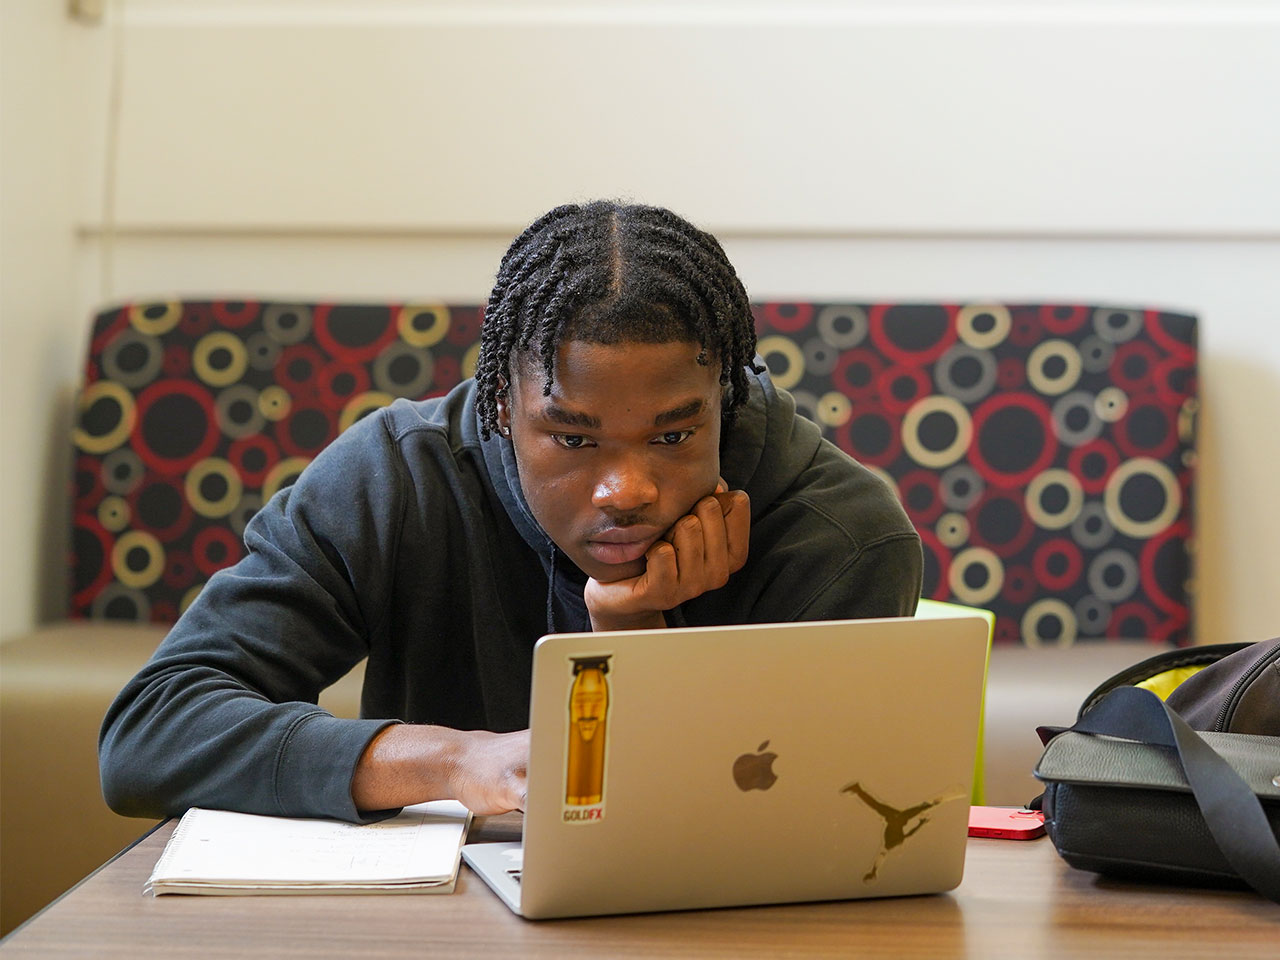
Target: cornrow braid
608,273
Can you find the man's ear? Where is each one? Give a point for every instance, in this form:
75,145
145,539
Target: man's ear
502,400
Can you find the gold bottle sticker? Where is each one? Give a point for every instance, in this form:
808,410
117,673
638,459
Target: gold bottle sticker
588,739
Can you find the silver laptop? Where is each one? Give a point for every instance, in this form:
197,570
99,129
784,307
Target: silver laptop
725,766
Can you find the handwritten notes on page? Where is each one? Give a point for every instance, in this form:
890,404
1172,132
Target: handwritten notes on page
223,853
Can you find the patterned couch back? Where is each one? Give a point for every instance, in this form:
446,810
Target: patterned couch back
1044,452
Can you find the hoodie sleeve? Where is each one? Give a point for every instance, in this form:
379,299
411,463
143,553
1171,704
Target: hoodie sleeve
224,714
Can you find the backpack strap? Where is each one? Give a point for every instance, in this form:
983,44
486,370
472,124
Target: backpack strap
1231,810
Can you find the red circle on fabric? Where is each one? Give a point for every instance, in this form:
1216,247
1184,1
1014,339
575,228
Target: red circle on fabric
942,556
1131,383
197,320
1011,373
1062,319
867,364
1057,547
1075,464
1133,610
910,358
921,480
285,430
886,380
89,524
1176,348
881,458
796,317
90,467
1179,531
298,369
1015,544
1125,440
153,394
1019,584
239,456
352,354
464,326
1049,446
235,313
203,549
353,378
179,571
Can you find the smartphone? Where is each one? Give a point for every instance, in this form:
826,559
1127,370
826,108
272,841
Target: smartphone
1005,823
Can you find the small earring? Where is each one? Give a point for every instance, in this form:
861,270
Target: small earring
505,431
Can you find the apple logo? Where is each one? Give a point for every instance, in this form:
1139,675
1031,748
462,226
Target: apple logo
754,771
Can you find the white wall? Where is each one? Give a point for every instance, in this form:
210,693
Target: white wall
1071,150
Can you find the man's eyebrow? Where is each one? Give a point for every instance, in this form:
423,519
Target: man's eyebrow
684,412
570,418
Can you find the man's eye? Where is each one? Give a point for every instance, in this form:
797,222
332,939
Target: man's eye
674,437
571,440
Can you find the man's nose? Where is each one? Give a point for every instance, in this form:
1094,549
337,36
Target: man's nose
628,484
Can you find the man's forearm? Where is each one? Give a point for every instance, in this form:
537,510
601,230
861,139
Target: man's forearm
415,763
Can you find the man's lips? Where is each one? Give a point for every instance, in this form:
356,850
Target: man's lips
622,544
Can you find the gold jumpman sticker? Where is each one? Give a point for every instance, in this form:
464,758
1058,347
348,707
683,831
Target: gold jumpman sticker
895,821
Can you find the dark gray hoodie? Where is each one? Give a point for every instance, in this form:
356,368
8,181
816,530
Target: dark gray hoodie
408,541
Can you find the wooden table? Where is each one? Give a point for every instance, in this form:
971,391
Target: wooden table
1017,900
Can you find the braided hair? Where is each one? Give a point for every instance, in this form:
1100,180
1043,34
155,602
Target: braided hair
610,273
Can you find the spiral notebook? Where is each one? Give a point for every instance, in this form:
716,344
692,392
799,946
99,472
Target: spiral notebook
222,853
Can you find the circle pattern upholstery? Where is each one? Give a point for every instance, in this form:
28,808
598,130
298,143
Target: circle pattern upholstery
1044,452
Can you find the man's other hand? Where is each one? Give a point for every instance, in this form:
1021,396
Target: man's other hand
698,554
408,763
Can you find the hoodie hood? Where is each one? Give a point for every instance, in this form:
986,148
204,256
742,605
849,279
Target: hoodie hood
763,452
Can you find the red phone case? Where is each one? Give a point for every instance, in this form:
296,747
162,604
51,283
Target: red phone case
1005,823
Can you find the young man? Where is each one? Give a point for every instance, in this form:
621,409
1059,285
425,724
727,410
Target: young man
618,462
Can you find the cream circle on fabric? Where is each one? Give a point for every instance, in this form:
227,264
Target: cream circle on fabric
945,453
137,559
952,530
114,513
1075,418
842,326
287,323
966,373
282,474
976,575
107,416
1038,618
776,350
250,504
983,325
213,487
219,358
422,324
275,402
189,597
360,405
1054,367
1113,575
1111,404
834,409
469,360
1117,326
1054,498
155,318
133,358
886,478
1128,497
238,412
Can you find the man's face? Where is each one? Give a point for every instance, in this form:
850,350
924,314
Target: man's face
625,444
